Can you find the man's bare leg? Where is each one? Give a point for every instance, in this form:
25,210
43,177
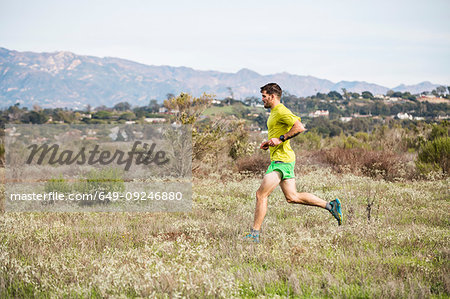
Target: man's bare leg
292,196
269,183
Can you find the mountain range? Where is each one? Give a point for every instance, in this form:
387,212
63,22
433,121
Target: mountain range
64,79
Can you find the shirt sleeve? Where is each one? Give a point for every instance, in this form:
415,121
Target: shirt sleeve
288,118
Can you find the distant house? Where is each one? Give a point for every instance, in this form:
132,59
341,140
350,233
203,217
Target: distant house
357,115
85,115
404,116
162,109
155,120
319,113
346,119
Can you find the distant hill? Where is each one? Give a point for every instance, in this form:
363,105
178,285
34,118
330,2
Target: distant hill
418,88
64,79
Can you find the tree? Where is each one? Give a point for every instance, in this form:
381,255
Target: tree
35,117
441,90
367,95
15,112
354,95
140,111
335,95
230,90
61,115
380,109
122,106
36,107
127,116
102,115
345,93
397,94
153,106
101,107
188,108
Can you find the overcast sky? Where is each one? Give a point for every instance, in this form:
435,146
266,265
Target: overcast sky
385,42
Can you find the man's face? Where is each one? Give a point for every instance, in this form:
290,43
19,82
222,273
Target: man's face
267,99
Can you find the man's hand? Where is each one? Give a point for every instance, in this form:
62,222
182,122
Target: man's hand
264,145
274,141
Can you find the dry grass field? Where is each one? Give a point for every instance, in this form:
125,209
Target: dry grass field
395,243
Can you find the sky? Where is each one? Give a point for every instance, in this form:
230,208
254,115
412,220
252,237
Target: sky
385,42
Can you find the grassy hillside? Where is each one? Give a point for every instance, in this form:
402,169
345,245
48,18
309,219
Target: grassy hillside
401,251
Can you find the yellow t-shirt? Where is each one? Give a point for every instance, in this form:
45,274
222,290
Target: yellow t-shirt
280,121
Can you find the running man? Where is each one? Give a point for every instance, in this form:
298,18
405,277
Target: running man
283,125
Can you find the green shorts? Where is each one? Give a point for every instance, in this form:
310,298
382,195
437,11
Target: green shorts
286,169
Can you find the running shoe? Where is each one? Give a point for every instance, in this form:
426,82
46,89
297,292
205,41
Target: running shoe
252,237
336,210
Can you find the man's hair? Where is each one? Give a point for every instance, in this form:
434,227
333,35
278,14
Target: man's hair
272,88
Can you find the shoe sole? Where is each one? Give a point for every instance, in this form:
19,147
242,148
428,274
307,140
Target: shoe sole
338,208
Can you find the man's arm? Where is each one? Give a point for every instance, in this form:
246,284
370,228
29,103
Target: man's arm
296,129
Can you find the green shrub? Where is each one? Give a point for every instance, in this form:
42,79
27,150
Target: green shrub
207,141
363,136
358,142
238,139
57,185
414,143
310,140
102,180
435,155
439,131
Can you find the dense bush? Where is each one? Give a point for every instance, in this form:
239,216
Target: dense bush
435,155
238,139
439,131
102,180
58,185
376,164
310,140
256,164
